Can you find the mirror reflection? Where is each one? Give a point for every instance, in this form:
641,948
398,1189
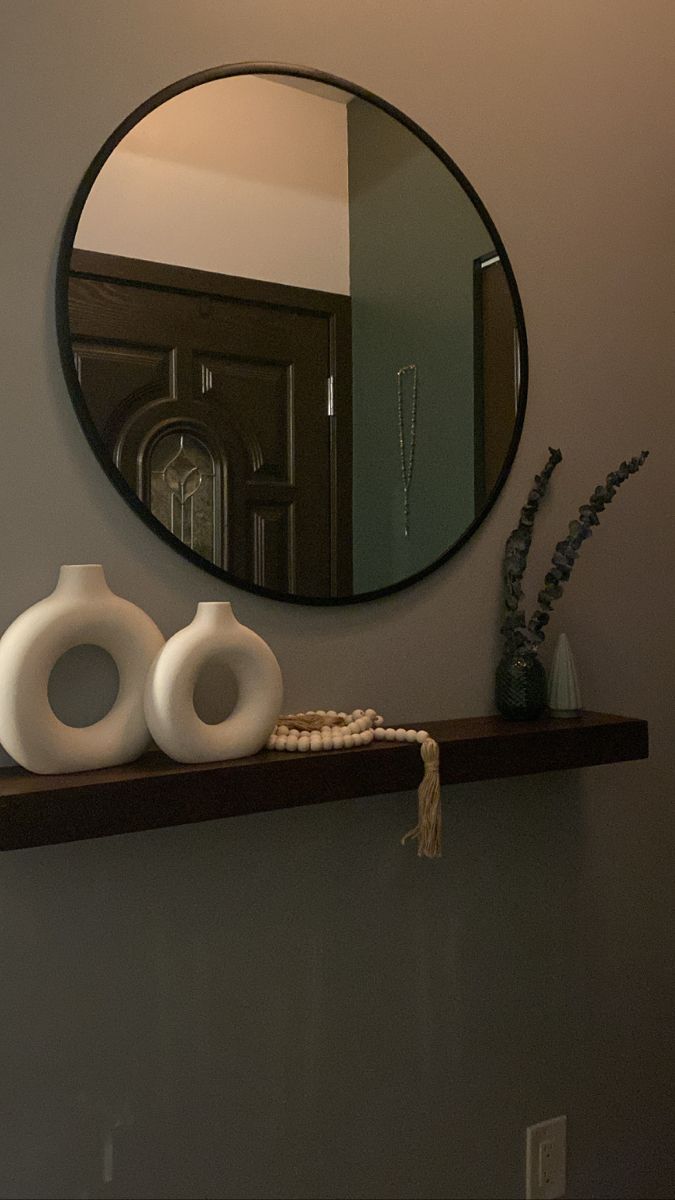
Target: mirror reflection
294,334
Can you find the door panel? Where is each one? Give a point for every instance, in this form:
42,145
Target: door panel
215,409
496,373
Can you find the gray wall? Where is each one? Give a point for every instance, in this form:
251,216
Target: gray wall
292,1004
413,238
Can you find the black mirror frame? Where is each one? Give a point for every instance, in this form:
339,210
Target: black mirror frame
65,341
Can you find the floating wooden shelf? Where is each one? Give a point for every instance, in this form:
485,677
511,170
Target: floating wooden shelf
37,810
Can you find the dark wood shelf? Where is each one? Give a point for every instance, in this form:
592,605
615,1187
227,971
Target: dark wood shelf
37,810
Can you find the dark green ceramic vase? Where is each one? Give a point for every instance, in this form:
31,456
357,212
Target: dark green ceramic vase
520,686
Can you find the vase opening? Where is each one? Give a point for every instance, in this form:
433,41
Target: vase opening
83,579
215,612
83,685
216,692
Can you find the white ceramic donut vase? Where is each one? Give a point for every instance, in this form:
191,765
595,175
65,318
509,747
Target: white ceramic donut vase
214,635
80,611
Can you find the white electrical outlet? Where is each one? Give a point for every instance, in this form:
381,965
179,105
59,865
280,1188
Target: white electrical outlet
546,1160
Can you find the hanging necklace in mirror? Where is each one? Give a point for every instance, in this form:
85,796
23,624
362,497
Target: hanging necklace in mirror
407,459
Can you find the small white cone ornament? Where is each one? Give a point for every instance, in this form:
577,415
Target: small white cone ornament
564,695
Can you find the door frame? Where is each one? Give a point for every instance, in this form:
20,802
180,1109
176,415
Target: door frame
480,264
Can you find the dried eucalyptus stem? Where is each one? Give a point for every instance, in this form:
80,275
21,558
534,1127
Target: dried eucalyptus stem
567,551
515,559
521,637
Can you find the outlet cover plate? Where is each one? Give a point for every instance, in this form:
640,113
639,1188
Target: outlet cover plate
546,1160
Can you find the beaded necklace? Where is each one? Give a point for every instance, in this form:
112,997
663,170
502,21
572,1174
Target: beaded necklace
407,458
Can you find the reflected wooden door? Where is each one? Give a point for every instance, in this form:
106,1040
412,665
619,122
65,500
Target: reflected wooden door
212,396
496,373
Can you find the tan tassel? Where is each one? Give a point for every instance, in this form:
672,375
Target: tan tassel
429,809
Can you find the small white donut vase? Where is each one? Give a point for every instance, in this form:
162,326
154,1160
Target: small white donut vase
214,635
80,611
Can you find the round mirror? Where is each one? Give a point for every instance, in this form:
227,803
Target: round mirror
291,333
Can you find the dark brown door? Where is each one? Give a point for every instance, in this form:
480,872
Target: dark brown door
496,369
215,408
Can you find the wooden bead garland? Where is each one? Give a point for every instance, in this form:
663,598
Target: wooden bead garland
321,730
330,730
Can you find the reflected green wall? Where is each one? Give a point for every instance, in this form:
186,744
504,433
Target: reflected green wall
413,238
